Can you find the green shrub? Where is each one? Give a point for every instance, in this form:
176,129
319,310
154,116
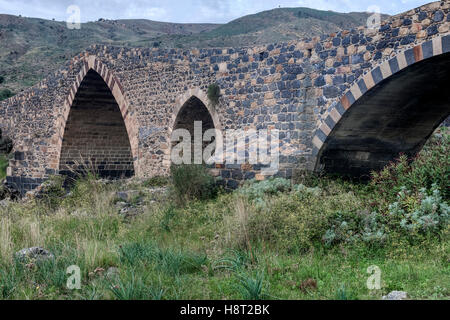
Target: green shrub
257,191
168,216
53,191
2,79
214,93
85,191
430,166
424,213
413,214
5,94
352,227
191,182
291,221
343,293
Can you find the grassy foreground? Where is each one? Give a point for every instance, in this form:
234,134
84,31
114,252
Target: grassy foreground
312,239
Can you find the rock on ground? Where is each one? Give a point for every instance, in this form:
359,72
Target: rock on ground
34,253
396,295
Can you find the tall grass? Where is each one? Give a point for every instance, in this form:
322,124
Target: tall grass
6,242
232,246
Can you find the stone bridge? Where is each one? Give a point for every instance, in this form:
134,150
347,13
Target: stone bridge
348,102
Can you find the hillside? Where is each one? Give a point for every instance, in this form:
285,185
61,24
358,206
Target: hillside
31,48
269,27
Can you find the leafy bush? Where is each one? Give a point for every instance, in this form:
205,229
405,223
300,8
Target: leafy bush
430,166
412,214
214,93
292,221
2,79
5,94
352,227
424,213
192,182
257,191
84,191
53,191
301,189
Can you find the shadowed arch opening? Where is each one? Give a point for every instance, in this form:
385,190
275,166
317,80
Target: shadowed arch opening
194,110
95,137
396,116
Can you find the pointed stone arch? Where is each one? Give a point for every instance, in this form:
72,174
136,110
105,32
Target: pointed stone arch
435,53
92,66
193,105
200,95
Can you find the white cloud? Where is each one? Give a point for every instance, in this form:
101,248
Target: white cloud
137,11
156,13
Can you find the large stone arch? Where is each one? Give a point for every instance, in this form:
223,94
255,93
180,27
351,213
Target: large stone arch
384,112
92,64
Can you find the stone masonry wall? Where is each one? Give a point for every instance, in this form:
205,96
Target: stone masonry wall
300,88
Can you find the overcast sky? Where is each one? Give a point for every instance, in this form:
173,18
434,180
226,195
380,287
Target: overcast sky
190,11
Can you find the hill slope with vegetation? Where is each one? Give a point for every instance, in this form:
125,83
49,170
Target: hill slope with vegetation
31,48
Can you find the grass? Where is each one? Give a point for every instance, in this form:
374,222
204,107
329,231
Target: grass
263,242
193,260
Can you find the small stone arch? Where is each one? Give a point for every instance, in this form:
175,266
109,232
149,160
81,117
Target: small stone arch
93,64
202,96
199,97
366,84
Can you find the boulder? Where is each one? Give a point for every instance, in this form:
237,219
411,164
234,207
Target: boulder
112,273
396,295
127,195
34,253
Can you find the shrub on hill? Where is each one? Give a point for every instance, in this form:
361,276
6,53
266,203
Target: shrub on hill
5,94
